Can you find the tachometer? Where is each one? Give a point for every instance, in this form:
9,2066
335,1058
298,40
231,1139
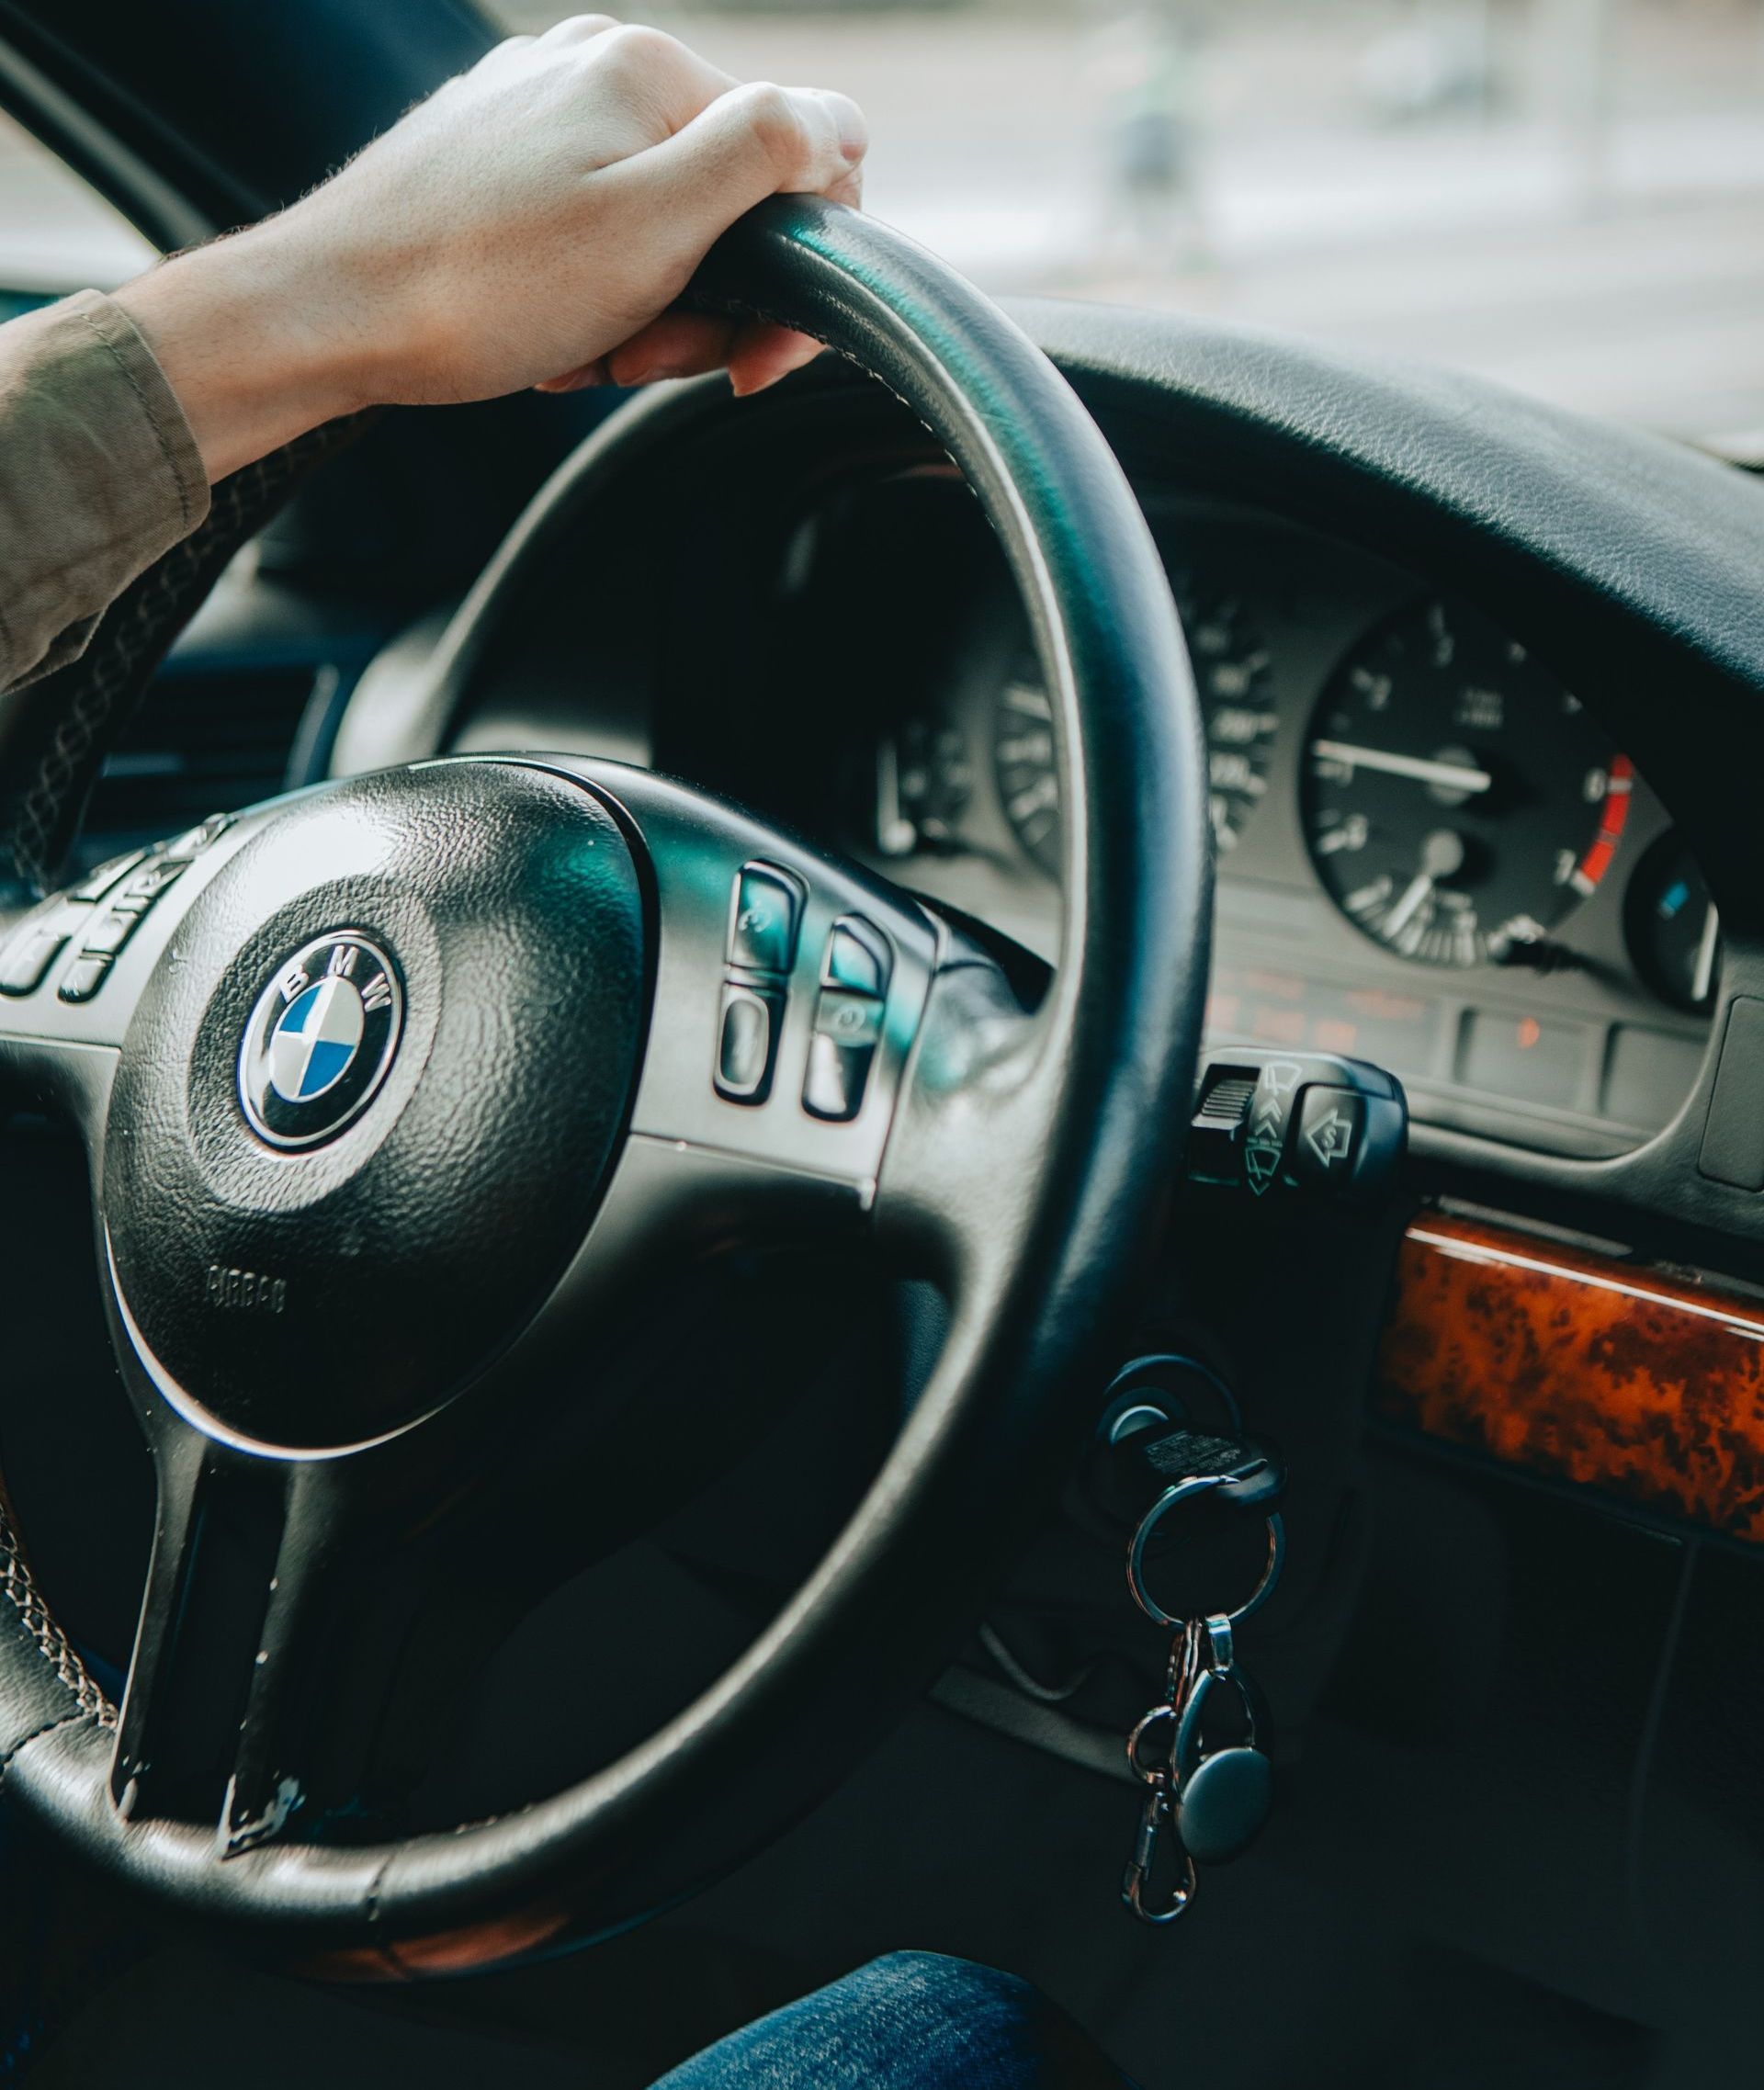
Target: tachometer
1237,707
1457,800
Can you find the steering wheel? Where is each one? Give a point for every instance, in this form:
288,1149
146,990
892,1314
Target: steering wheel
394,1088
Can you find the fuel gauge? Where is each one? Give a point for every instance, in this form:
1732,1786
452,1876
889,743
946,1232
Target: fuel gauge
1674,926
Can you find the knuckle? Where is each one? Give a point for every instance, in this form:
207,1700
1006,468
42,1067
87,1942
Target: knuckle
774,121
634,50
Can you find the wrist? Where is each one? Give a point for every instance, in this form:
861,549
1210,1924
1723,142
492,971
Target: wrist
240,333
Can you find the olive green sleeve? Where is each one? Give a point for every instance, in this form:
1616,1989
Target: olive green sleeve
99,475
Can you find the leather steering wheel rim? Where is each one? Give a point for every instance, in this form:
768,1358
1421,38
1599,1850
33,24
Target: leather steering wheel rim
1024,1167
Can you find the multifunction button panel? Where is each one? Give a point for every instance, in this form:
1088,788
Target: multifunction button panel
93,919
764,926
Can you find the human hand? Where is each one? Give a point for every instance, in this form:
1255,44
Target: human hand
528,225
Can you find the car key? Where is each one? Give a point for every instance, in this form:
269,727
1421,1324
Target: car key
1209,1803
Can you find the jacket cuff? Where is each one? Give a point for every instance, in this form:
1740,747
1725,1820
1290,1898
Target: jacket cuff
99,476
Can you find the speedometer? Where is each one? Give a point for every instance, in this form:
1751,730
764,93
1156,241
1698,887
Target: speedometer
1457,800
1238,713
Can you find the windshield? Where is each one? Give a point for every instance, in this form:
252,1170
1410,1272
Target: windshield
1564,195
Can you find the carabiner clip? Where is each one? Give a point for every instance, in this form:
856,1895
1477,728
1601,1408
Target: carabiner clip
1136,1882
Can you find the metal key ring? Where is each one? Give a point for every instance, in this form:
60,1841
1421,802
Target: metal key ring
1186,1491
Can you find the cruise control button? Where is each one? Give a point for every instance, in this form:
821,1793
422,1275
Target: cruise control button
106,936
764,913
857,958
83,979
747,1039
95,884
847,1027
30,956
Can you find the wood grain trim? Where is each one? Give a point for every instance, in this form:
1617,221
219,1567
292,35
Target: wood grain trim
1646,1386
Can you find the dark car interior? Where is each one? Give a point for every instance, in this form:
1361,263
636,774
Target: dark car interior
1447,867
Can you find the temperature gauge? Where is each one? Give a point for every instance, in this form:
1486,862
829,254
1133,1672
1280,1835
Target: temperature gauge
1674,927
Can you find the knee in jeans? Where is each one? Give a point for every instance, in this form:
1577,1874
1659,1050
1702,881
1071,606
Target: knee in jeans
916,1974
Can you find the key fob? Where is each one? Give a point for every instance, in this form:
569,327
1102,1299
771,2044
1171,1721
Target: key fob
1223,1796
1225,1800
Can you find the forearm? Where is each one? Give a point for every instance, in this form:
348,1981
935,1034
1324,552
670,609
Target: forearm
234,327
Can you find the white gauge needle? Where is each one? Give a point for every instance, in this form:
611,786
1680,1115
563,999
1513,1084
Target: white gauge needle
1397,920
1441,857
894,834
1448,776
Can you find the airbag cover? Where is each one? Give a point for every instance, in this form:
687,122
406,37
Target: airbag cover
325,1295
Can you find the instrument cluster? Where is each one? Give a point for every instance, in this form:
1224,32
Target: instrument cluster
1429,853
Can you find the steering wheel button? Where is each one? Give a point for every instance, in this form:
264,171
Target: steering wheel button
28,957
764,913
847,1019
834,1086
106,936
83,979
194,841
139,891
747,1041
847,1027
857,958
95,884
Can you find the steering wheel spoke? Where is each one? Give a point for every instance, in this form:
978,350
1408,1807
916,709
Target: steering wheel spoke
250,1577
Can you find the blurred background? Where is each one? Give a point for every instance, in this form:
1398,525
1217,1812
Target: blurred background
1564,195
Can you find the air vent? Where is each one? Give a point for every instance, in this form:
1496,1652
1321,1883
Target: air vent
207,740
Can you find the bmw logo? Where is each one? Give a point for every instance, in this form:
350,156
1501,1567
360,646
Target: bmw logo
320,1040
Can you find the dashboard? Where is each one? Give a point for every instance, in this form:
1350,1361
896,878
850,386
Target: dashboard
1429,852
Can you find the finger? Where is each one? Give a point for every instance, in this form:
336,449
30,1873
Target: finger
685,345
578,379
579,28
850,189
754,141
761,354
677,344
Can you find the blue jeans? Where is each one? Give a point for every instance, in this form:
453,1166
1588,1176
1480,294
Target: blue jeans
913,2021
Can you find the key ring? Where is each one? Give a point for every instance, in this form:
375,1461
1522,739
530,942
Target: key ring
1187,1491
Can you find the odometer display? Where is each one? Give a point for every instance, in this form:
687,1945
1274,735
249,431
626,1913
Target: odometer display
1457,800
